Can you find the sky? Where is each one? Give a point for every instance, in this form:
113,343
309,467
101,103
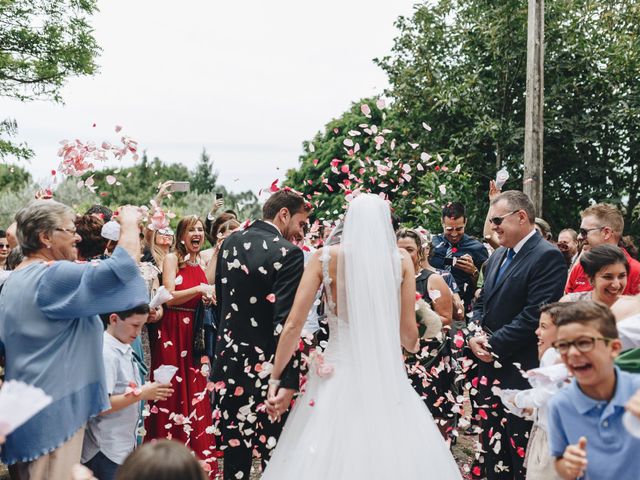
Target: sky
247,80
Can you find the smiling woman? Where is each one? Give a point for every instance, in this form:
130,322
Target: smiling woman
174,341
63,333
608,272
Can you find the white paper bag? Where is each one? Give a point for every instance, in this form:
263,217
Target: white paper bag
164,373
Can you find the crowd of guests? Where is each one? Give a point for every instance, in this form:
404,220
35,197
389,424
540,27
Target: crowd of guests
541,333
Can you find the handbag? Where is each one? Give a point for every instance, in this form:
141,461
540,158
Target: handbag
199,346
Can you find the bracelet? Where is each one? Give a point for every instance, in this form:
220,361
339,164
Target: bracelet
273,382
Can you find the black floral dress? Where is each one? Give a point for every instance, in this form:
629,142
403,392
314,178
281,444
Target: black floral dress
431,370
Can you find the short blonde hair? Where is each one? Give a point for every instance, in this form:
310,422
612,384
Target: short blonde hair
608,215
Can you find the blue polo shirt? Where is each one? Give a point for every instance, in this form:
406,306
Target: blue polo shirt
612,452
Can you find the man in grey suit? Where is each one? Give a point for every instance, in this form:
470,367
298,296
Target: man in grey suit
523,274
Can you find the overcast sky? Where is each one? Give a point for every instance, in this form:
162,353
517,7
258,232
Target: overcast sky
248,80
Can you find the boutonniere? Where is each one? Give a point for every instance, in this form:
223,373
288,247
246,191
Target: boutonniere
454,249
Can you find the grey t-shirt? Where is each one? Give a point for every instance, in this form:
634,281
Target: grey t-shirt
114,434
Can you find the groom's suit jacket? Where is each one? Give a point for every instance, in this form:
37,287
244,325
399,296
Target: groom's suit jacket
509,310
257,275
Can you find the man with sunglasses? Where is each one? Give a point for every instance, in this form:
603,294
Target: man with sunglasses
524,273
601,223
456,252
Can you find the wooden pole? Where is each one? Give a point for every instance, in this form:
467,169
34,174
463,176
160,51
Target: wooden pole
533,136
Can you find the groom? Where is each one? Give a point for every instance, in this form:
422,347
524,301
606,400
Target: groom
257,275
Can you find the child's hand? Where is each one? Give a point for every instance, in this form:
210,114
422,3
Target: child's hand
633,405
575,458
155,391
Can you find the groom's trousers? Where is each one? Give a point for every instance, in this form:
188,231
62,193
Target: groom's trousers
238,459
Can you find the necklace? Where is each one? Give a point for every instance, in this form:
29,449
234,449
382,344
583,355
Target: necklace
194,263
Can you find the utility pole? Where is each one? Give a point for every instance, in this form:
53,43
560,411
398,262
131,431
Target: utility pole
534,120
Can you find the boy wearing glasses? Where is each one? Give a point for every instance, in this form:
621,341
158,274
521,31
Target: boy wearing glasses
586,433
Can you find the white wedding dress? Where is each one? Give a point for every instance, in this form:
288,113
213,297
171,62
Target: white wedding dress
359,418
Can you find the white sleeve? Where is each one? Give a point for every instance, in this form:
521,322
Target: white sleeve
110,371
629,332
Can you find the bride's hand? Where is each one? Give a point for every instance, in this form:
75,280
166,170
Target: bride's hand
278,401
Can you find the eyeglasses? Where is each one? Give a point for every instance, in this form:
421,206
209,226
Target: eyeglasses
4,245
583,232
583,344
451,229
499,219
72,231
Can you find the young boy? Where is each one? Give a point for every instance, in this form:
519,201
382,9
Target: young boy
545,382
586,433
110,437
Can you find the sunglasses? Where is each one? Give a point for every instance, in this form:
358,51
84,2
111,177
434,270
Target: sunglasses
499,219
583,232
4,245
583,344
451,229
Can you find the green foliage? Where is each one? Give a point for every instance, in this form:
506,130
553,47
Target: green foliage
13,177
139,184
8,129
415,181
136,185
204,177
42,43
462,64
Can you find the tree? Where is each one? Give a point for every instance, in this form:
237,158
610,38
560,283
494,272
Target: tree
204,177
13,177
461,64
366,149
42,43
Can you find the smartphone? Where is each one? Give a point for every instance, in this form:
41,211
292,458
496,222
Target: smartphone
179,187
219,196
450,261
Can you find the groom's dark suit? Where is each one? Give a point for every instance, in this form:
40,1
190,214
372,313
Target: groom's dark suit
257,276
508,310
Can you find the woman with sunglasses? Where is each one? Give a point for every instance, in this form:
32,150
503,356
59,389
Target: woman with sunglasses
608,271
430,370
4,249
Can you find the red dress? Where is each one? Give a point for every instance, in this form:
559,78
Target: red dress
186,415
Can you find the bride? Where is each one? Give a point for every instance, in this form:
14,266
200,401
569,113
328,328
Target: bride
359,417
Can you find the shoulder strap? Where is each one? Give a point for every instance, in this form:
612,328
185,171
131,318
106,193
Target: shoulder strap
325,258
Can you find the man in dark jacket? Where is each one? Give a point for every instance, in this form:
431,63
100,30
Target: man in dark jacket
525,273
257,276
457,252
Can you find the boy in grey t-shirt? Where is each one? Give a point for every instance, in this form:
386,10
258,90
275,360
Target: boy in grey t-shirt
111,436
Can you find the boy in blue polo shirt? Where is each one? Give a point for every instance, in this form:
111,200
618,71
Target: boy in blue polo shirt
586,433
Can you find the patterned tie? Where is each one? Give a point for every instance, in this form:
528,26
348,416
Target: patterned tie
507,261
449,254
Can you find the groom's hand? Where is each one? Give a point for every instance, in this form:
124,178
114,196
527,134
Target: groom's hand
278,401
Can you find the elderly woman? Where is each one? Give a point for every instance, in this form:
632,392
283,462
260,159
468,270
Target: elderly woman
53,336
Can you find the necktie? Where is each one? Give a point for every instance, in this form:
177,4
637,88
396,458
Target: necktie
507,261
449,254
